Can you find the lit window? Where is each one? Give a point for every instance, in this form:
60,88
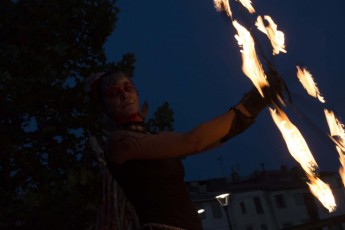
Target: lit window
201,210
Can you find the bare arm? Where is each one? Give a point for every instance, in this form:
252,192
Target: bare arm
126,145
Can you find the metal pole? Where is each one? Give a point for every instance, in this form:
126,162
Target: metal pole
227,216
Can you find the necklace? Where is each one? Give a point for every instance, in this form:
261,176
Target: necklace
133,126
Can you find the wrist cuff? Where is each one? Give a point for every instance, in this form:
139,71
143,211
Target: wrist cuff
240,123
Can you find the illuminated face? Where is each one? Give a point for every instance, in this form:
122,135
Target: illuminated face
120,98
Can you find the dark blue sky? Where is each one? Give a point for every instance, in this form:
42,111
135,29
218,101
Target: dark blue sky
187,55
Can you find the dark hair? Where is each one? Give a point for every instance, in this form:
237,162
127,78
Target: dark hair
96,89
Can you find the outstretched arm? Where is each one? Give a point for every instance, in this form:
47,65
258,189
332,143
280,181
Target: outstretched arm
126,145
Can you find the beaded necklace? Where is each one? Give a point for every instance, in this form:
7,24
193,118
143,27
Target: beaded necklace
137,126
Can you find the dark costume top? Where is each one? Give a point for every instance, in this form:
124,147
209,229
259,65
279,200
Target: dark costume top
157,190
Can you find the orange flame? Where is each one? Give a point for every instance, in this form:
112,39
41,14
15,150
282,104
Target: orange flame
275,36
323,192
295,142
251,66
336,129
338,135
299,149
253,69
342,169
223,5
308,83
248,5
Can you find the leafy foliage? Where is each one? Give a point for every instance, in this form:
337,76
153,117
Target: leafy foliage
163,119
49,174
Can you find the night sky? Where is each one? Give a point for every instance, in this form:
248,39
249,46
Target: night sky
187,55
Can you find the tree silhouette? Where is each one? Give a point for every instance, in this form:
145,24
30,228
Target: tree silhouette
163,119
49,174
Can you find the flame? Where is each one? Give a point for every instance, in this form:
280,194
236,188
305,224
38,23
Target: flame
323,192
251,66
253,69
275,36
299,149
248,5
308,83
295,142
336,130
342,169
223,5
338,135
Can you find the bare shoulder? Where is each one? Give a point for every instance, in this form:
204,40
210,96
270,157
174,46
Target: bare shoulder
124,134
129,145
120,144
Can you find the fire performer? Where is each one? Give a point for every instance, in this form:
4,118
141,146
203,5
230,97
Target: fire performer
147,166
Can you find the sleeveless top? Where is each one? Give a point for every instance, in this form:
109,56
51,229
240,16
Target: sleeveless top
157,190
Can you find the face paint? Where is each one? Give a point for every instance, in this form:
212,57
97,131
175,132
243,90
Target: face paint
119,89
113,78
120,98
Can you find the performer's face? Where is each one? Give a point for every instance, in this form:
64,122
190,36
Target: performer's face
121,100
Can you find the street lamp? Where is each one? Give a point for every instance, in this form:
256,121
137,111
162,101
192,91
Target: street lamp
223,200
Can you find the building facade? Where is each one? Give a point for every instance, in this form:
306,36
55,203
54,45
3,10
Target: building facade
267,200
